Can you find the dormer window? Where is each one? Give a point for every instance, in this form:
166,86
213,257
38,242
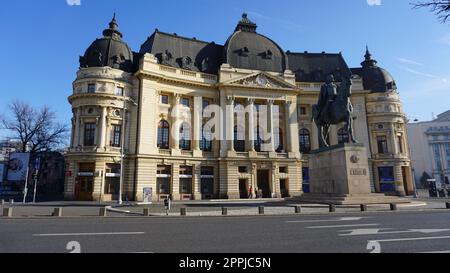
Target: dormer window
91,88
267,54
244,51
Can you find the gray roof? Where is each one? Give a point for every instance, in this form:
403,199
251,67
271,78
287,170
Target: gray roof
109,51
314,67
186,53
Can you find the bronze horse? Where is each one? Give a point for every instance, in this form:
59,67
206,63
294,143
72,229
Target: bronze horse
341,110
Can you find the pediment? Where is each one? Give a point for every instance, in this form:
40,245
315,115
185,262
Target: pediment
261,80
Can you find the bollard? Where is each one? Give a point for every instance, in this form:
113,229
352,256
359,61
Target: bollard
363,207
261,210
332,208
102,212
57,212
298,209
146,212
393,206
224,211
447,205
7,212
11,201
183,211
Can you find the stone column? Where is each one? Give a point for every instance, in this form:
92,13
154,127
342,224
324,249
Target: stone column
102,128
230,123
275,183
76,137
175,128
271,128
250,142
175,182
292,130
197,128
196,177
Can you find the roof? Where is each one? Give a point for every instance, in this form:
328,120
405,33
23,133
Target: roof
182,52
443,117
314,67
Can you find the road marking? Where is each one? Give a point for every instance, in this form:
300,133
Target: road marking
341,226
330,220
88,234
411,239
437,252
377,231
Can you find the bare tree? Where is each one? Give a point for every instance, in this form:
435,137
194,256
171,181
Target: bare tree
439,7
37,129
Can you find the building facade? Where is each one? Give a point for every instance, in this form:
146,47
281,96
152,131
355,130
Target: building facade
430,148
198,120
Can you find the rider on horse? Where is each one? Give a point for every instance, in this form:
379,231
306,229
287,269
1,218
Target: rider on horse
328,94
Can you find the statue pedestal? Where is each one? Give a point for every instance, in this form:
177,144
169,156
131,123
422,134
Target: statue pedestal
340,175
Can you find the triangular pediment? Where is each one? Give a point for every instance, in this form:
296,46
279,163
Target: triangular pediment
260,80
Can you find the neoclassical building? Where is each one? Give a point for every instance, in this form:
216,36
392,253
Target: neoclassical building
198,120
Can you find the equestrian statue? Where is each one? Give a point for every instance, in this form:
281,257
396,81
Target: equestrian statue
334,107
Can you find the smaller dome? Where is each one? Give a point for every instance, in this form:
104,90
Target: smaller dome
109,51
375,78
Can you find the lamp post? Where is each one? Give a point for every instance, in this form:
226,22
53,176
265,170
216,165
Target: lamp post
122,146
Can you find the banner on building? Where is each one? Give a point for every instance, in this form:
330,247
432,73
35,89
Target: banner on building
2,172
17,166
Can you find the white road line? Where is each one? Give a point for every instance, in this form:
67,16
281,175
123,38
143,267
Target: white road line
329,220
88,234
410,239
342,226
437,252
378,231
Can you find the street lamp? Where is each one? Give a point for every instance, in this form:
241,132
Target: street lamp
122,146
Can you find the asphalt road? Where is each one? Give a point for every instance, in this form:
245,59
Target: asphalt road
335,233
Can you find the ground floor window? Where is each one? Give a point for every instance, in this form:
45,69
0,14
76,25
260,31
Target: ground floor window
163,185
386,179
305,184
207,180
186,179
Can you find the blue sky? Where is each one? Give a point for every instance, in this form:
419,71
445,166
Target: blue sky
42,40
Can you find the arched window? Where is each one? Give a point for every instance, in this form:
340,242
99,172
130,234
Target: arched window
343,136
163,135
239,139
305,141
185,136
279,147
206,142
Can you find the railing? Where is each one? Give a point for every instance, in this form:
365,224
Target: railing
188,73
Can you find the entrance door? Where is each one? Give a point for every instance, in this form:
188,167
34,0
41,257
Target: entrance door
407,183
84,189
243,188
284,188
264,183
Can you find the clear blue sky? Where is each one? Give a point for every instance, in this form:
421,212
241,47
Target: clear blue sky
41,40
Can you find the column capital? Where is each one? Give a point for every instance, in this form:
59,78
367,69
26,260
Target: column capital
270,102
230,100
177,97
250,101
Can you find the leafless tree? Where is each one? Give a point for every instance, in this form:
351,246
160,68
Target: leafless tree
37,129
439,7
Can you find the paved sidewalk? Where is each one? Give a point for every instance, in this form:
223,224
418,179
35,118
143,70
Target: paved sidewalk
204,208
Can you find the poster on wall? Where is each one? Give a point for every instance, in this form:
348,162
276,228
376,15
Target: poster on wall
17,166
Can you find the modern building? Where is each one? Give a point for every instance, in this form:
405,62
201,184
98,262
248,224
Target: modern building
430,148
199,120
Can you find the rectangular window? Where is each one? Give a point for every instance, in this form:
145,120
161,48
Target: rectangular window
437,156
283,170
447,154
91,88
186,179
185,102
119,91
302,111
242,169
116,133
382,145
89,134
164,99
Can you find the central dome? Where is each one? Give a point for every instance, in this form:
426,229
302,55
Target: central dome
247,49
